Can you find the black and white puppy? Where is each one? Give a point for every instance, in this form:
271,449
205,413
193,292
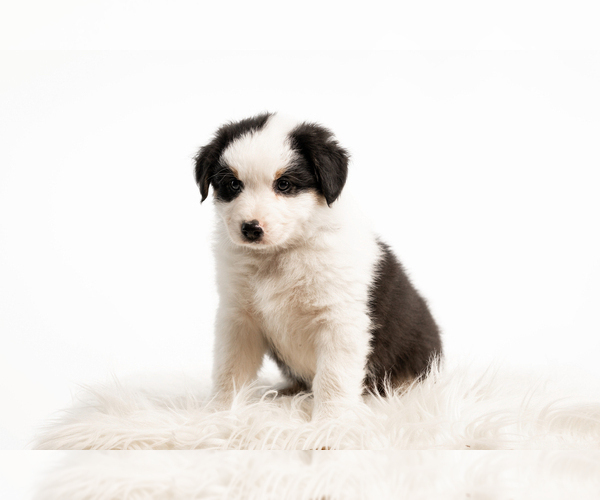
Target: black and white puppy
301,277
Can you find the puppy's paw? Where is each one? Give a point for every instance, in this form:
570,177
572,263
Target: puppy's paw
342,412
221,401
330,427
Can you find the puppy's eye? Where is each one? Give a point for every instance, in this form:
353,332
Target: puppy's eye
235,185
283,185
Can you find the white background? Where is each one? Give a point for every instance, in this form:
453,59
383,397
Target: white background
481,169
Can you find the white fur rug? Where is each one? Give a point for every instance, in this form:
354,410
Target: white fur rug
455,408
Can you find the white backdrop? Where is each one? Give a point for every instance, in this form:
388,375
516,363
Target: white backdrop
481,169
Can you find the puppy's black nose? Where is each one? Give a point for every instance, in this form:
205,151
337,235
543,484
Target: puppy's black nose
252,231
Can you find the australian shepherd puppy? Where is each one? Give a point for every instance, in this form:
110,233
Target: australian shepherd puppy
301,276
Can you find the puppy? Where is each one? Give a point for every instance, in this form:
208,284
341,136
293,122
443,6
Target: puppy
300,275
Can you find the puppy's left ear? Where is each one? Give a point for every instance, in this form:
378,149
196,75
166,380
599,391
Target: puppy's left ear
328,159
205,161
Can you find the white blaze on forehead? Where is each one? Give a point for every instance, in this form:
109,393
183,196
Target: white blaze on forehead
257,156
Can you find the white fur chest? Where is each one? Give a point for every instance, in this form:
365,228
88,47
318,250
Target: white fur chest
290,297
294,296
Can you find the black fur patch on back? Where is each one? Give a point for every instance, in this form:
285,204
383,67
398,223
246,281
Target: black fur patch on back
207,159
405,338
328,160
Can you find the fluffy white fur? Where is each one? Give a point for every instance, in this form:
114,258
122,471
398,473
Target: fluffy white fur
303,287
457,408
484,475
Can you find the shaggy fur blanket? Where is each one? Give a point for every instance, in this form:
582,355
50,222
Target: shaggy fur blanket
456,408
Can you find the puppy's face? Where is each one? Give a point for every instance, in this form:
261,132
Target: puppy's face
269,176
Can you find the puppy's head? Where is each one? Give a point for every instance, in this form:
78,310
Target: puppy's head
269,176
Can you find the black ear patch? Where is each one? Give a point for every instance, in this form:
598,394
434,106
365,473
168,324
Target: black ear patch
207,158
328,159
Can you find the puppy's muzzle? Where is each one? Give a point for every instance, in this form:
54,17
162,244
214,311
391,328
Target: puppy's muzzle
252,231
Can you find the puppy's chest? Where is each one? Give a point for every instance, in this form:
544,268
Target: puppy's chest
286,297
284,294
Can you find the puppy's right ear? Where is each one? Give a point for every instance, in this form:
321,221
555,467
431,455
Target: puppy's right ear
205,162
327,158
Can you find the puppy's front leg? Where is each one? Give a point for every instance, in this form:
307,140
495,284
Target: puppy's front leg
238,352
342,351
